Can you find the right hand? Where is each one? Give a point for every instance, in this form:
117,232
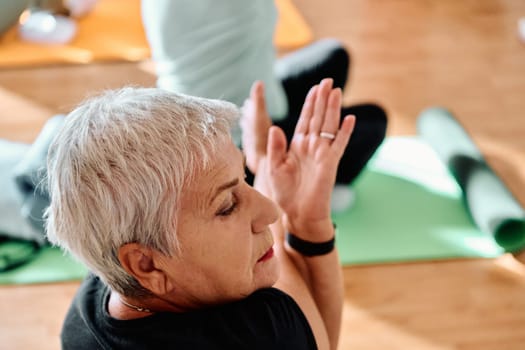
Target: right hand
303,176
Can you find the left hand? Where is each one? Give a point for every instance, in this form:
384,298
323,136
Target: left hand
255,123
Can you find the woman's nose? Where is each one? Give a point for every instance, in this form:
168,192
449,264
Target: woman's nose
266,211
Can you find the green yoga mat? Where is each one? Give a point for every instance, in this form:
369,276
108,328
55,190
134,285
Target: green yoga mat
48,265
409,207
492,206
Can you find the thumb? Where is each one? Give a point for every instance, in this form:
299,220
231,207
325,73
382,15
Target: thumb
276,147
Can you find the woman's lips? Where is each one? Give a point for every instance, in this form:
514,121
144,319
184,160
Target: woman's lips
268,255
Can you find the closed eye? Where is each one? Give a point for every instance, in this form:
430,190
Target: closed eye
229,210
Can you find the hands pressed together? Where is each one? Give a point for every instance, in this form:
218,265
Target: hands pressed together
299,177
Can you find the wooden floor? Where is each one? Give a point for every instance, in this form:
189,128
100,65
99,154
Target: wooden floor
407,55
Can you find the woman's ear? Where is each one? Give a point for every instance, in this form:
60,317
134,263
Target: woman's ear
140,262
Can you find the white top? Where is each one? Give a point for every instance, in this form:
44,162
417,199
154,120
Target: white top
215,49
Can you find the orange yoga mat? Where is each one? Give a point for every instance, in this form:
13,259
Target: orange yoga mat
113,32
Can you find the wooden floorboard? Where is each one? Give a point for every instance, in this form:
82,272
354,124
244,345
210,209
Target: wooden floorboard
406,55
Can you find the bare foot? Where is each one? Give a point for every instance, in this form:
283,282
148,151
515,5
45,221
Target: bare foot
255,124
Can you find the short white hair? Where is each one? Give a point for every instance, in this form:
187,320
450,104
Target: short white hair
117,168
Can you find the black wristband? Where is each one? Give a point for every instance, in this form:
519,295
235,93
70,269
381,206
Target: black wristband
308,248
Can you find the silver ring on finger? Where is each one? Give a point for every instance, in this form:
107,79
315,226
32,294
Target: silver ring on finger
327,135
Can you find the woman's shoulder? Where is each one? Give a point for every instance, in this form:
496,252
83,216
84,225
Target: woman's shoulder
272,307
271,297
275,315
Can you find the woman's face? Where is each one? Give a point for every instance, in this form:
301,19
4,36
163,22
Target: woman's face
225,239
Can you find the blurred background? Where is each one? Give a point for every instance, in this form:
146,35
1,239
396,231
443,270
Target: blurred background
406,55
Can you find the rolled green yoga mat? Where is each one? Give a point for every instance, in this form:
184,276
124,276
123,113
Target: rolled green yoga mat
491,205
408,207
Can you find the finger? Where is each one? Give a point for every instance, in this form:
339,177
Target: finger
276,148
249,106
333,112
257,96
307,111
320,106
343,135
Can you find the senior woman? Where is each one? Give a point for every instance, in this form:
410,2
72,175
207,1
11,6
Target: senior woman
147,190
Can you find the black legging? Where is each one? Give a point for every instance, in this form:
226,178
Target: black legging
302,69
